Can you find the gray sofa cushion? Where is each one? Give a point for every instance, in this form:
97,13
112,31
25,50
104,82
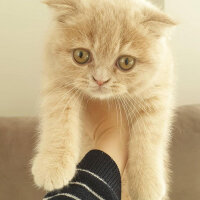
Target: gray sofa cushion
185,154
17,136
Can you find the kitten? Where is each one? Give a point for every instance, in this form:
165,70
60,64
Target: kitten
120,46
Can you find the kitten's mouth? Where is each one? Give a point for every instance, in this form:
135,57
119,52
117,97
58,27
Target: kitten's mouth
100,89
100,92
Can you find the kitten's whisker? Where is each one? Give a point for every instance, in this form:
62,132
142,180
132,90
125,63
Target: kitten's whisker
109,107
62,99
116,108
122,107
126,112
69,102
133,106
142,105
139,103
143,120
129,110
120,113
145,103
56,89
73,84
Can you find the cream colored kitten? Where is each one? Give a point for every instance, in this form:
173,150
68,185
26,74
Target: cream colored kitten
107,49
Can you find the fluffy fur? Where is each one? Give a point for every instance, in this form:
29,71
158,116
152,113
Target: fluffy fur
109,29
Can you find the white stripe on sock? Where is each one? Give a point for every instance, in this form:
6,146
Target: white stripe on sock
63,194
86,187
83,170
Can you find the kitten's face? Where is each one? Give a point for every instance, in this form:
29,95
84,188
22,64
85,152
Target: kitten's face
104,51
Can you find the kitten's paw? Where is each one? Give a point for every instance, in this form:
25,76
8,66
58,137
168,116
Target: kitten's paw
51,174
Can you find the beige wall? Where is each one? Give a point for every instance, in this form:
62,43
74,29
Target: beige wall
186,48
159,3
22,29
22,32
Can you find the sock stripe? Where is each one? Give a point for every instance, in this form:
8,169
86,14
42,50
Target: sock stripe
63,194
89,189
84,170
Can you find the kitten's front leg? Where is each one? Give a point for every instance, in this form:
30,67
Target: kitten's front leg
58,148
148,154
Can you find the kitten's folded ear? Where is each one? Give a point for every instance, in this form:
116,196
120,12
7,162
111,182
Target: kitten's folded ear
63,8
157,22
62,4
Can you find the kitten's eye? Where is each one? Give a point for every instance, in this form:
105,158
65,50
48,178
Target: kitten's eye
126,63
81,56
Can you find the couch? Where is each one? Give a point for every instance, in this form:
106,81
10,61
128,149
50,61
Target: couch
18,135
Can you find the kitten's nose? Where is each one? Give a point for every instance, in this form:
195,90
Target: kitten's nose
100,82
